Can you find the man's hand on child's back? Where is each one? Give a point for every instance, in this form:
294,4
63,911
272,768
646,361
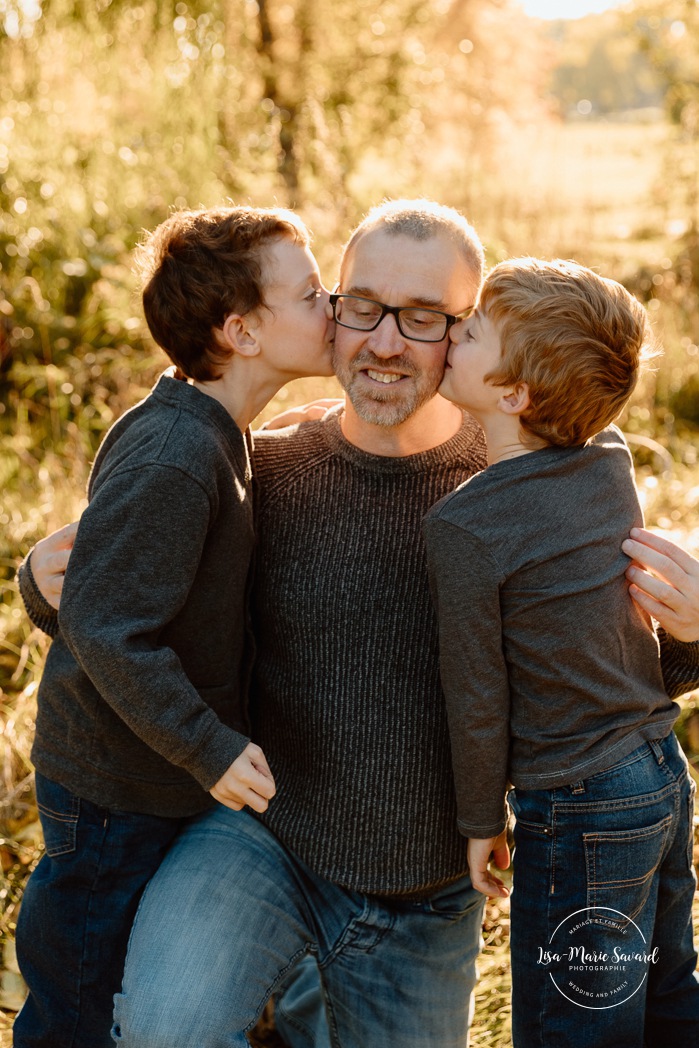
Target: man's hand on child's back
479,852
305,413
247,781
664,582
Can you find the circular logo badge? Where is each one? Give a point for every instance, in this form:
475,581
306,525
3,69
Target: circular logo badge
597,958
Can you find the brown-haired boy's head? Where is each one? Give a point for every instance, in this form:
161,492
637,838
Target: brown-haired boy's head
198,267
576,339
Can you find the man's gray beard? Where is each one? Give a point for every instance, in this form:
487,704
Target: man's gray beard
375,410
385,413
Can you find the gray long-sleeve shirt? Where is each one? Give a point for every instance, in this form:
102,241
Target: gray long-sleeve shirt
141,705
550,672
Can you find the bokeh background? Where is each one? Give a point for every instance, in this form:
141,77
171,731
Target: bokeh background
557,136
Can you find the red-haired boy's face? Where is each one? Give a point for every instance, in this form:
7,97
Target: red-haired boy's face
475,351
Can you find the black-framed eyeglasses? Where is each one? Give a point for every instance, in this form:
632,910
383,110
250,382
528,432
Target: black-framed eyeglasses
414,322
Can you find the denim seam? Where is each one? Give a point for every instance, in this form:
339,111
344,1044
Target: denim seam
61,816
273,986
350,927
620,804
535,777
86,926
70,832
630,835
541,828
552,888
690,812
543,1009
332,1021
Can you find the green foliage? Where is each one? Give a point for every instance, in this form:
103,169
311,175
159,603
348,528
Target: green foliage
684,403
669,39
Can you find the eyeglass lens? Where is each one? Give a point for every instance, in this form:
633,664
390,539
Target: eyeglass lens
364,314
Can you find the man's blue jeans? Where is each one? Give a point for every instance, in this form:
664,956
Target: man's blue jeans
76,916
606,863
231,911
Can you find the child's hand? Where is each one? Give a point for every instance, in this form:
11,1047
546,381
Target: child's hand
479,852
247,781
48,562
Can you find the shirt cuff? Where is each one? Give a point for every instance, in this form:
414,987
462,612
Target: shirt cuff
40,612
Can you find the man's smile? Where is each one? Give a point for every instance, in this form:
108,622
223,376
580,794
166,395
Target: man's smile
385,377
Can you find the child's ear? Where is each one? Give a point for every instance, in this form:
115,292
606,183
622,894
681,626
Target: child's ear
239,334
516,401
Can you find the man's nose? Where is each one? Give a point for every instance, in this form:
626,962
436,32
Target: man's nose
386,340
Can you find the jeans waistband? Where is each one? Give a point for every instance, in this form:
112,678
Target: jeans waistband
655,746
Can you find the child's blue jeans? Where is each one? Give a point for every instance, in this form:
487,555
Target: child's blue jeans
76,916
600,865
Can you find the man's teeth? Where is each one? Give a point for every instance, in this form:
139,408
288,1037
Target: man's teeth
382,376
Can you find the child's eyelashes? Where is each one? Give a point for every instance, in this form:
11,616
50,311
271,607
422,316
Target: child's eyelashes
313,294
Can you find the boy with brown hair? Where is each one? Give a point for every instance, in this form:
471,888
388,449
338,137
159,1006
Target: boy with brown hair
142,718
551,675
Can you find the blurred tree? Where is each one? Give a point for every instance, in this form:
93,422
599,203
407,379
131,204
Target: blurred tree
669,38
599,60
113,111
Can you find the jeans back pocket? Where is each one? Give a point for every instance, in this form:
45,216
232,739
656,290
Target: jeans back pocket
59,810
621,865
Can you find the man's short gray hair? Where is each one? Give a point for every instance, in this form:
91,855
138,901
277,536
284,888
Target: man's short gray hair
420,220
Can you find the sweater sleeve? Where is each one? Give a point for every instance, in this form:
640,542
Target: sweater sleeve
679,662
464,580
40,612
136,554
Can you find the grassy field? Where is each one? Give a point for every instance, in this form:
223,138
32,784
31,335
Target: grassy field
596,192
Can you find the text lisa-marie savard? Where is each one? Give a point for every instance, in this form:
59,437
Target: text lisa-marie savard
581,955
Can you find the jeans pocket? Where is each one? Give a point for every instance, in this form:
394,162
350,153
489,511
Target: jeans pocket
59,810
620,866
531,812
455,901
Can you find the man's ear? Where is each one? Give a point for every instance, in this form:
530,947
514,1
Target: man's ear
516,401
239,334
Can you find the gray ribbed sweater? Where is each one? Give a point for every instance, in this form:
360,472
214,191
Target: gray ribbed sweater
346,701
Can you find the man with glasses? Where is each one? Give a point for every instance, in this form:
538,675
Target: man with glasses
359,860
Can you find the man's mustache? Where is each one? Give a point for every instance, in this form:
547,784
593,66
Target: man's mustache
366,359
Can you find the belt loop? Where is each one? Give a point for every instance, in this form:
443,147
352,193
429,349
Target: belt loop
578,787
657,751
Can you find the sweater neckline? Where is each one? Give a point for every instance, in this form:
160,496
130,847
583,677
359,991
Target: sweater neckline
467,443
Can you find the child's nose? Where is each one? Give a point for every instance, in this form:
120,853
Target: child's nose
456,331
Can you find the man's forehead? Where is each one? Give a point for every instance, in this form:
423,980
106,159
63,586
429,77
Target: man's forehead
432,270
